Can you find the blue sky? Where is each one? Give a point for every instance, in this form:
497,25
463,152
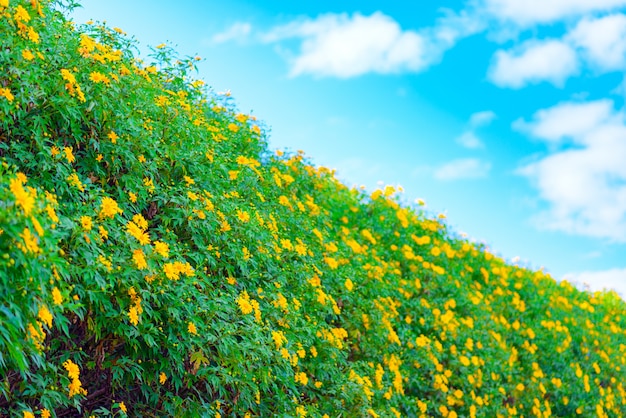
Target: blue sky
507,116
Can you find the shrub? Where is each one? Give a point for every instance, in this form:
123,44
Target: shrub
159,260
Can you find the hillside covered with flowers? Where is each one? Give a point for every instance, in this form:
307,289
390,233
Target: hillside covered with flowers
157,259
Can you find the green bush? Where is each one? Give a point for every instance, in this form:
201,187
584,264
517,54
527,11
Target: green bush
159,260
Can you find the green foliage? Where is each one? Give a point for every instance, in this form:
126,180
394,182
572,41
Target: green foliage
158,260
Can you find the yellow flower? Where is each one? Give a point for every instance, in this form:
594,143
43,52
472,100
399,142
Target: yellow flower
45,413
422,341
332,263
57,298
280,302
30,242
349,285
68,76
109,208
28,414
162,378
161,248
279,338
422,406
97,77
133,315
45,315
33,36
69,156
123,407
73,372
75,388
23,198
140,221
243,215
71,86
140,259
191,327
86,223
21,15
284,201
27,55
112,136
104,234
301,378
75,181
244,303
6,93
149,184
138,233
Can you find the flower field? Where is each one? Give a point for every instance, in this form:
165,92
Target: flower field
157,259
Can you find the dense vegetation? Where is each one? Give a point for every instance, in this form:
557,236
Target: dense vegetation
158,260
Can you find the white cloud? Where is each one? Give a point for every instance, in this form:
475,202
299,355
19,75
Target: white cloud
531,12
573,120
602,40
467,168
584,186
483,118
237,32
452,27
468,139
532,62
595,43
614,279
342,45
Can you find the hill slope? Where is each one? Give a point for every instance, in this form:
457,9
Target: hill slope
158,260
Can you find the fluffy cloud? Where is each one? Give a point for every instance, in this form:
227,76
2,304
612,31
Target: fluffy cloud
346,46
598,43
342,45
531,12
568,120
466,168
533,62
602,41
584,185
614,279
452,27
237,32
